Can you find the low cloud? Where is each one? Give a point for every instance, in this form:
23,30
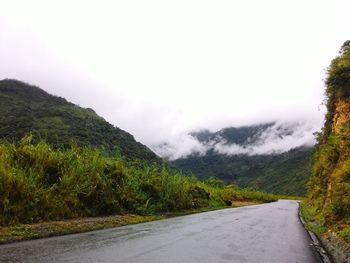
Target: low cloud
184,145
278,138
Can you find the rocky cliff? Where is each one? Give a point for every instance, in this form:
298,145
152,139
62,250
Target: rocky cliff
329,187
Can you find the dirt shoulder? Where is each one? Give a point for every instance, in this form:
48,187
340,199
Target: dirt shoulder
56,228
23,232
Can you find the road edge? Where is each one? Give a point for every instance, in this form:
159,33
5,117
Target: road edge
27,232
316,243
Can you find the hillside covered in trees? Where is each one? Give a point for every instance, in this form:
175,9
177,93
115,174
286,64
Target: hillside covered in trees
25,108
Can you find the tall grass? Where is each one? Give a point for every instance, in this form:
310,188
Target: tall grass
39,183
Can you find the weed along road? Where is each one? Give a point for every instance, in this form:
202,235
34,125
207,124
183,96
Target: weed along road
254,234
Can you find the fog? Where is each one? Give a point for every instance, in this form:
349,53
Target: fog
278,138
161,69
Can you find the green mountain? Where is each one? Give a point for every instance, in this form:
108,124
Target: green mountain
282,173
25,108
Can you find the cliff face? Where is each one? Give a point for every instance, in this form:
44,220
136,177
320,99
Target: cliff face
329,187
338,189
341,115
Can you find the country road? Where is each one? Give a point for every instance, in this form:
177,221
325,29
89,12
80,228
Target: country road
255,234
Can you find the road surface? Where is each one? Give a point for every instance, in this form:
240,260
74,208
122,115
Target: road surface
262,233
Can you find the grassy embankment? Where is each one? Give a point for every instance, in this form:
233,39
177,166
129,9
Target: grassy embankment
315,222
46,191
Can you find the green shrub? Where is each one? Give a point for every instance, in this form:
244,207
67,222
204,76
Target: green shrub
40,183
345,234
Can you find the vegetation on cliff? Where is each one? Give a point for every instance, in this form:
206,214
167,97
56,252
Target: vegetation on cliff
329,186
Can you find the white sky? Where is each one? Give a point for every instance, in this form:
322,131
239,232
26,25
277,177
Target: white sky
160,68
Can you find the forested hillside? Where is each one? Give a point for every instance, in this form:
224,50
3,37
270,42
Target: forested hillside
25,108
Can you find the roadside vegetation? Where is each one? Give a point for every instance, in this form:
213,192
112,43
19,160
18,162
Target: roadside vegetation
40,183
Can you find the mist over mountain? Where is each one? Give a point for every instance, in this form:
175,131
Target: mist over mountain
273,156
260,139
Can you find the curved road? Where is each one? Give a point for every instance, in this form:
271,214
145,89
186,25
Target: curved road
262,233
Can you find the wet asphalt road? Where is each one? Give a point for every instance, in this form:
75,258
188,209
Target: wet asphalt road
255,234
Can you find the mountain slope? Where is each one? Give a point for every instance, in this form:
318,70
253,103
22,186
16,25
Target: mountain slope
285,173
25,108
275,172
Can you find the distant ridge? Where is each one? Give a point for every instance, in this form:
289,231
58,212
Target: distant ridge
26,108
275,172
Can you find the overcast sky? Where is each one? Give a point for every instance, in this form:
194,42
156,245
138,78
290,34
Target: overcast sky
160,68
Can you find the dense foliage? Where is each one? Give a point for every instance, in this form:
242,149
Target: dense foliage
285,173
38,182
25,108
329,186
337,85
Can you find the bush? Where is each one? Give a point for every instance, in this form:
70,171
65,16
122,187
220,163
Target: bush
40,183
